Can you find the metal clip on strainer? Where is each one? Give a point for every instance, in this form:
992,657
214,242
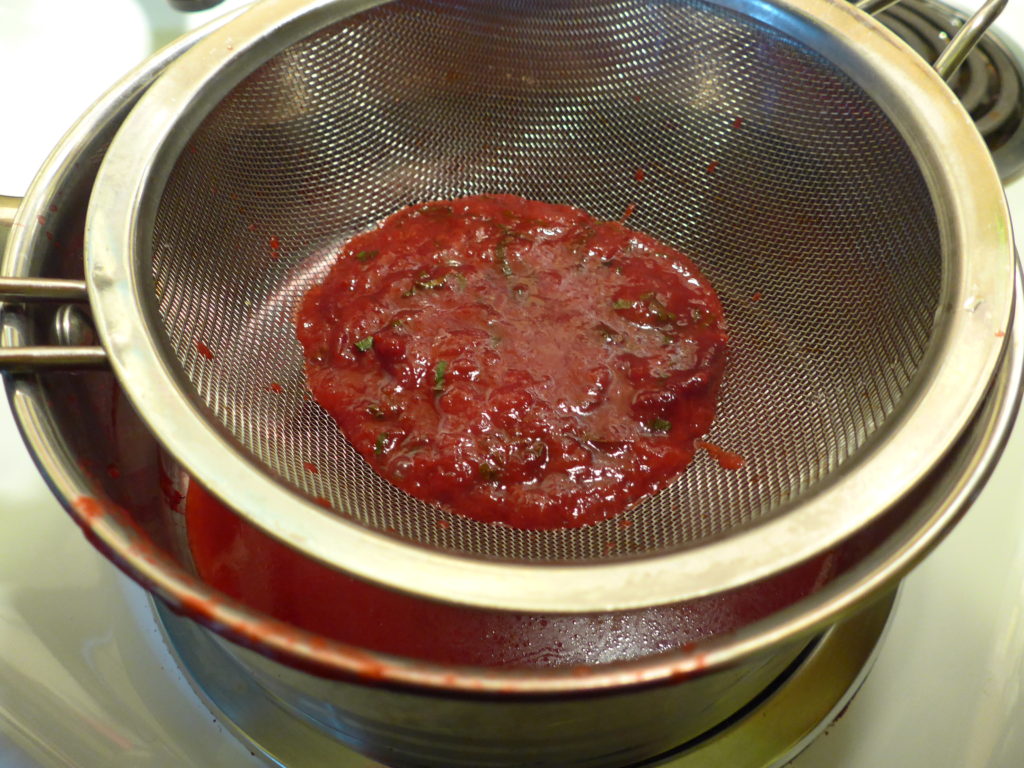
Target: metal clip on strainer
851,192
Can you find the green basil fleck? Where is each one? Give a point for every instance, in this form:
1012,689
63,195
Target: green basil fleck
366,255
439,371
363,345
659,425
622,304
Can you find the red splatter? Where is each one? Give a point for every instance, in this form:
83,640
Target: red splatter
624,522
1000,334
171,494
311,468
275,387
608,547
90,509
113,471
444,524
204,350
737,123
630,209
275,244
192,149
640,174
637,98
253,227
41,220
712,166
53,207
726,459
757,297
323,502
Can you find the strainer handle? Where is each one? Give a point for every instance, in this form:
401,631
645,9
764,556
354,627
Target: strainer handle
29,289
963,42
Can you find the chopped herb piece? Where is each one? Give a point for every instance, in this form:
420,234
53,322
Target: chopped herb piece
661,313
502,260
488,472
622,304
381,445
439,371
376,411
659,425
363,345
607,332
366,255
427,283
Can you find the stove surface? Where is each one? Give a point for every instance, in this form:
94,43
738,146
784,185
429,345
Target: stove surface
85,679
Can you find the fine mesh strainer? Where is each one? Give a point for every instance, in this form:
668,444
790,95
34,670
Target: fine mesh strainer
821,175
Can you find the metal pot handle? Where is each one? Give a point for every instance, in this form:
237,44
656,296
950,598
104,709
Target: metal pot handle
71,329
963,42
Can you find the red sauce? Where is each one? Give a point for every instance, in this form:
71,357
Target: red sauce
726,459
239,560
516,361
204,350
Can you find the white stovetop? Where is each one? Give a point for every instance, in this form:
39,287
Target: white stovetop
85,683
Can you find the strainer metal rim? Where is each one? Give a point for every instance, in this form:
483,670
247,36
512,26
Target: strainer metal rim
968,337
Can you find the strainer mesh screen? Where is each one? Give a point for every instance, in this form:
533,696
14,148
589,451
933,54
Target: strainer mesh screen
767,165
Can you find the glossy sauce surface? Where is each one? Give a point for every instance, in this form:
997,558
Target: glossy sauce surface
516,361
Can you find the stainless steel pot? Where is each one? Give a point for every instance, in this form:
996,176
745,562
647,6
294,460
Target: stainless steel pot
120,487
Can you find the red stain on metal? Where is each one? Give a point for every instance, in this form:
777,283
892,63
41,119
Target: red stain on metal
640,174
275,387
41,220
326,504
1000,334
630,210
442,523
625,522
737,123
171,494
204,350
608,547
89,508
311,467
757,297
53,207
712,166
726,459
275,243
113,471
